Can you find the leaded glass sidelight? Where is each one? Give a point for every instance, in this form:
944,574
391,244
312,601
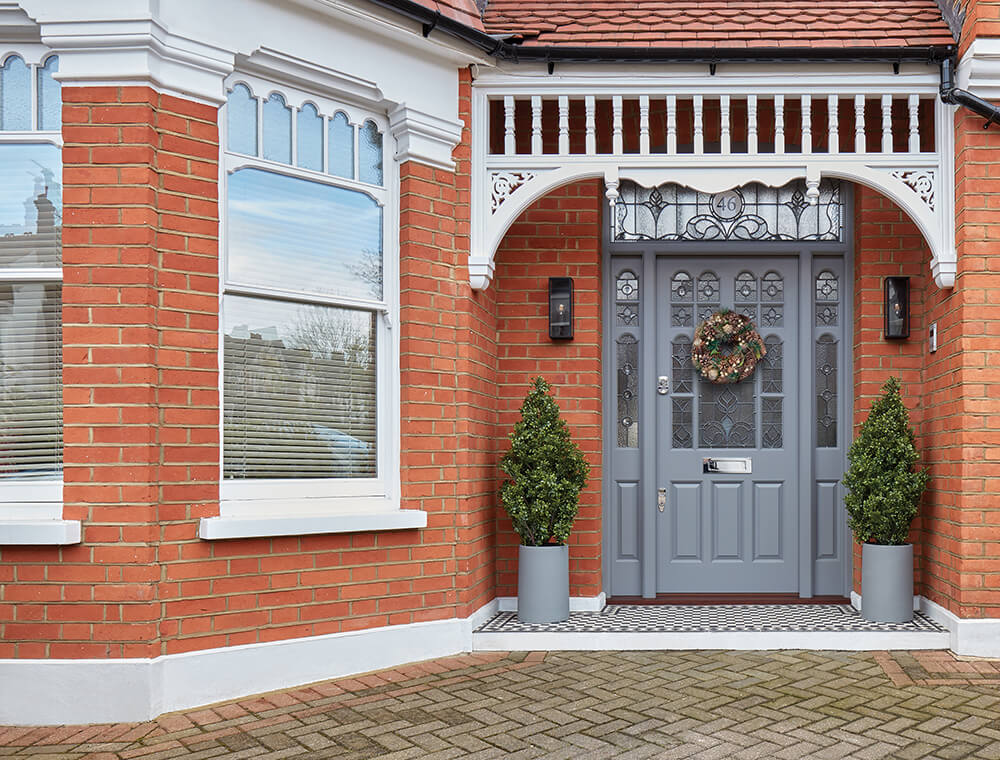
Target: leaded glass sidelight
827,299
627,304
627,365
750,212
826,392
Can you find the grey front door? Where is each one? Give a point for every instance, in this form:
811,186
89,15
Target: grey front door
727,532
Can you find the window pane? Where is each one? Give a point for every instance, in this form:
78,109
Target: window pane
49,96
15,95
370,154
299,391
30,380
30,206
341,147
277,130
295,234
241,110
310,138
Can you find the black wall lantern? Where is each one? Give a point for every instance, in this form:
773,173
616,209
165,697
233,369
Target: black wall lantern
561,308
897,307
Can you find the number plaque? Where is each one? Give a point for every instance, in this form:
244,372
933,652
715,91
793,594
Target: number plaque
727,205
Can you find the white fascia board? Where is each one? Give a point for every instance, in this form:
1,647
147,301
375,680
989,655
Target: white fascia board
643,78
217,528
979,70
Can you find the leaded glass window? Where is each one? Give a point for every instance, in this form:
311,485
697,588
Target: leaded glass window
681,300
726,415
827,297
627,365
627,305
826,391
750,212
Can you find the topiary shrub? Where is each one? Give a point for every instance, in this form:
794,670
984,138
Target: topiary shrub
883,487
547,472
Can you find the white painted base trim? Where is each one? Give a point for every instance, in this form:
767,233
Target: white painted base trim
576,603
969,636
39,532
61,692
214,528
856,601
738,640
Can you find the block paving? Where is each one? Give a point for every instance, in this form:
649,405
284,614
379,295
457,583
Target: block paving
695,704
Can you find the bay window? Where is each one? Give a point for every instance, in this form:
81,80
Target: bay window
31,441
309,362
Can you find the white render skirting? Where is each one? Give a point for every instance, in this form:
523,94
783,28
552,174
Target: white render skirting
63,692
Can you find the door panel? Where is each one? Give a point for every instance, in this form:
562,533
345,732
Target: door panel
727,532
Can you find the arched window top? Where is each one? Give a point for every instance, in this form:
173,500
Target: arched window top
708,287
329,137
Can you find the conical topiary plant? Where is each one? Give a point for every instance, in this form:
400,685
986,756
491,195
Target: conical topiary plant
883,487
547,472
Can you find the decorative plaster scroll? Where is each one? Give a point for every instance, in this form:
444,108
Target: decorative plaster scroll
920,181
505,183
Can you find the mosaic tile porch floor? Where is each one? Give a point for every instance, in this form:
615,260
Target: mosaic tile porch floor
711,618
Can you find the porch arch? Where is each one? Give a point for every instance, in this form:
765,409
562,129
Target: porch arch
918,192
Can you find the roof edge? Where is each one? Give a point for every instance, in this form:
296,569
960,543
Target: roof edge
499,48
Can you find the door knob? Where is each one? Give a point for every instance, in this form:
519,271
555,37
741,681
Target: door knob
663,385
661,498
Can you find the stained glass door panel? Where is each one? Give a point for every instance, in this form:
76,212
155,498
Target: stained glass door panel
725,532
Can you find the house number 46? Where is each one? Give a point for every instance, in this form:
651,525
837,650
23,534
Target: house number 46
727,205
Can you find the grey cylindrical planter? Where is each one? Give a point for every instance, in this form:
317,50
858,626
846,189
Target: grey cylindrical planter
887,583
543,584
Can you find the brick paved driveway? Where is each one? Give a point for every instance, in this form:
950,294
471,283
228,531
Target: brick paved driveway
704,704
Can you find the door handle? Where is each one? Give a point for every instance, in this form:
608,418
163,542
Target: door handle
661,498
663,385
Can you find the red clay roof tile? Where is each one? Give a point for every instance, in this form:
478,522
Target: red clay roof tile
464,11
719,23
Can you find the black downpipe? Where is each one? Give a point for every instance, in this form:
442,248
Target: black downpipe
957,96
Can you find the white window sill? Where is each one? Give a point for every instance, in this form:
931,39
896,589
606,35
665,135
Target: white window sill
39,532
216,528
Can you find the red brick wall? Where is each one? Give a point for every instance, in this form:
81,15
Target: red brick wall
558,236
951,393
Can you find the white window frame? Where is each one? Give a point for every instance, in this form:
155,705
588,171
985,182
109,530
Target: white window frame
31,510
292,506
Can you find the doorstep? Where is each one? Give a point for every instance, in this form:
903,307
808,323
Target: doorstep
722,626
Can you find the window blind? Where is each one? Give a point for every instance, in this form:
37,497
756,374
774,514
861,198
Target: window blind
30,380
300,390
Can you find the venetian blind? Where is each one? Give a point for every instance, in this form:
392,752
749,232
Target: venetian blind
30,312
300,390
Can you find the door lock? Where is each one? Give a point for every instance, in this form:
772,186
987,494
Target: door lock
661,498
663,385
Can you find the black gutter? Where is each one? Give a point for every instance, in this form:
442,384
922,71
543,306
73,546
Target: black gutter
500,48
957,96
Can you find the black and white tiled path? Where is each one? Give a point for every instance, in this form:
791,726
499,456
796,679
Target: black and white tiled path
734,627
708,618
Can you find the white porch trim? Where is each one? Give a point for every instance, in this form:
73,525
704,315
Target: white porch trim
505,183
